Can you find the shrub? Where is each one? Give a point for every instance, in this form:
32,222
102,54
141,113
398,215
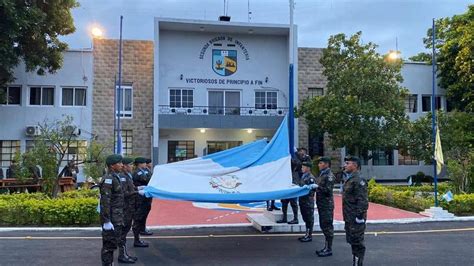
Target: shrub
72,208
462,205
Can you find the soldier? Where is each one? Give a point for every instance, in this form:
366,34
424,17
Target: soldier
149,171
271,205
354,208
296,172
325,203
111,208
307,202
130,194
140,178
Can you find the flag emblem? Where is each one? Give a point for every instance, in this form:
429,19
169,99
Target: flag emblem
224,62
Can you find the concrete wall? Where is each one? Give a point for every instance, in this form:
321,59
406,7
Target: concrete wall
76,72
137,70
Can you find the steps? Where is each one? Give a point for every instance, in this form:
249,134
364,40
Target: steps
266,222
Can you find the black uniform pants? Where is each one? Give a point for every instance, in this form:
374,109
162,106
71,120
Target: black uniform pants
326,216
294,205
141,214
110,241
355,237
128,214
307,211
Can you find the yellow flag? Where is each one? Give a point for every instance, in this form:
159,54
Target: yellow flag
438,153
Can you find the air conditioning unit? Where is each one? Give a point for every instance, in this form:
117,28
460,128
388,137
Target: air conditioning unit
32,131
73,130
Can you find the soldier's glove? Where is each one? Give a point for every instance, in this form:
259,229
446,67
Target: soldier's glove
108,226
141,187
141,192
312,186
360,221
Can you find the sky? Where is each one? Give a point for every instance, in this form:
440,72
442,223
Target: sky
383,22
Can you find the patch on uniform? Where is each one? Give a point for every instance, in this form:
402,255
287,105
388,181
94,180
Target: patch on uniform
108,181
330,179
123,179
362,183
140,173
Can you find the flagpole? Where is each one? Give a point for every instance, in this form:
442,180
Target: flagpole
291,115
119,134
115,113
433,116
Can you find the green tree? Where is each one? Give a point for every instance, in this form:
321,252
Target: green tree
29,31
457,140
455,57
95,160
421,57
363,107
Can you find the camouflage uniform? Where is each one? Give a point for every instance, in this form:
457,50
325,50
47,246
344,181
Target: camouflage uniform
111,210
141,177
296,176
354,205
325,203
130,196
307,203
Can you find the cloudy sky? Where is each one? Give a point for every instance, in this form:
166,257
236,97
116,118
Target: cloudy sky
381,21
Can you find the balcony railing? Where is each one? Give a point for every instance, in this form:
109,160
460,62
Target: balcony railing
221,110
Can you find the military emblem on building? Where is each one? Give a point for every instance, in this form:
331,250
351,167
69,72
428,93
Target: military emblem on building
224,62
225,183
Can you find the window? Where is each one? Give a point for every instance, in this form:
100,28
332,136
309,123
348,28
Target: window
74,97
181,98
41,96
404,158
315,144
217,146
426,103
179,150
315,92
76,151
224,102
411,105
266,100
124,101
8,149
11,95
382,157
127,142
438,103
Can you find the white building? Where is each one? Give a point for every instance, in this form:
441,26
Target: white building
217,85
32,99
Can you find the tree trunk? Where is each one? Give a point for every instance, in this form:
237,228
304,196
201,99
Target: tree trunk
56,187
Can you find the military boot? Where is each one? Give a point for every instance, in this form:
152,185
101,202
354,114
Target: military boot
295,217
274,207
285,212
123,258
357,261
326,251
139,243
308,237
146,232
126,254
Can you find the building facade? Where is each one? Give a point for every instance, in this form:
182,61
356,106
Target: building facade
217,85
33,99
382,164
136,95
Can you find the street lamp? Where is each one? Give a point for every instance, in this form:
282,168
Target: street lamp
394,55
96,32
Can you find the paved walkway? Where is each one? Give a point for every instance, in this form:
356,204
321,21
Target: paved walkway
166,212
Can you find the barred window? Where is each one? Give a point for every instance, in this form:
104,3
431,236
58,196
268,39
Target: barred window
266,100
127,141
217,146
382,157
181,98
8,149
315,92
179,150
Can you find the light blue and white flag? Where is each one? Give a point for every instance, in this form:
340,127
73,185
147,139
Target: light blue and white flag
448,196
253,172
